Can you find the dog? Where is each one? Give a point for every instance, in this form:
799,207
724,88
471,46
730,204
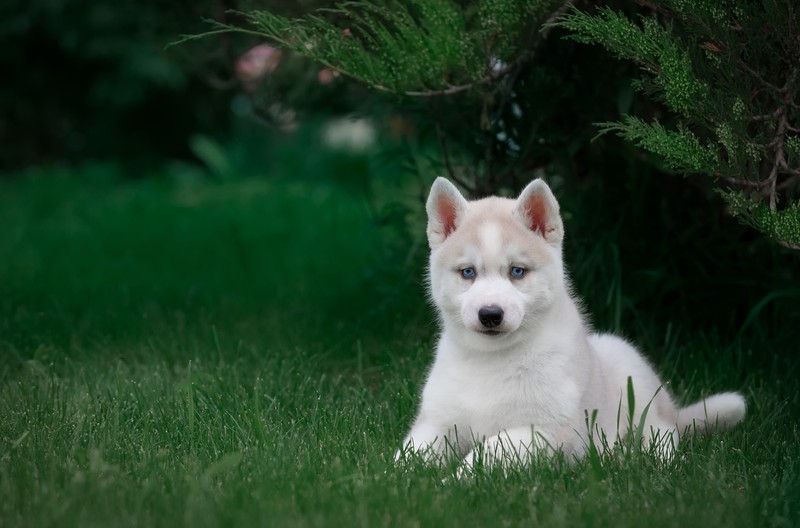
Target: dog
517,372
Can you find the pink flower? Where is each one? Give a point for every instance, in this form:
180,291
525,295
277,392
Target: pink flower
255,63
326,76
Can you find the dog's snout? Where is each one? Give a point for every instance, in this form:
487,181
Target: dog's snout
490,316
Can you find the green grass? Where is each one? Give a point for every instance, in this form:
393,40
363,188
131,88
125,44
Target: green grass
249,352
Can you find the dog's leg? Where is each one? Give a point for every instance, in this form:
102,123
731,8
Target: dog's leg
425,440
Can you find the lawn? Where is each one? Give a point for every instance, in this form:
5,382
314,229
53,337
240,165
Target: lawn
179,350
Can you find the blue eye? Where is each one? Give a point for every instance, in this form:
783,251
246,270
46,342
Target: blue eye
517,272
468,273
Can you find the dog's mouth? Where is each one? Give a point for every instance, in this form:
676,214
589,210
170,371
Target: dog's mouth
491,332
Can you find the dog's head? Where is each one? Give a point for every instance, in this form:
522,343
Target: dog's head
495,263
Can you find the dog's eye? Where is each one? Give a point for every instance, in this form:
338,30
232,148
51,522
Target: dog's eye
468,273
517,272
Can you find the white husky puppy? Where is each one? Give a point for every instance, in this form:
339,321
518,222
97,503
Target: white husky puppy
517,371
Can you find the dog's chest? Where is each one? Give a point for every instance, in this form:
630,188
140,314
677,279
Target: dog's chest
486,397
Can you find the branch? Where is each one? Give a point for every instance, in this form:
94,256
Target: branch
551,20
740,182
764,117
791,180
489,78
440,136
758,76
223,8
494,75
779,141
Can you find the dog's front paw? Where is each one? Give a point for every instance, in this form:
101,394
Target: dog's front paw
427,453
494,451
513,447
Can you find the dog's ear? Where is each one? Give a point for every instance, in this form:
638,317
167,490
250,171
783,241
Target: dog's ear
446,207
538,209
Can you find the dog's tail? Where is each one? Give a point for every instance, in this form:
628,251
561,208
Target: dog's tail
718,412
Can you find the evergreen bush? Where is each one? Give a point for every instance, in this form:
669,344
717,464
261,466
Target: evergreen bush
465,67
728,72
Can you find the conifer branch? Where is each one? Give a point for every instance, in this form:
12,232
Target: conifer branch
742,134
491,77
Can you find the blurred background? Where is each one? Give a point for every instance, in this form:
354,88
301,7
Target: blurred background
223,170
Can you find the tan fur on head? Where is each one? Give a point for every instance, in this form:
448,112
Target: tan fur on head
536,207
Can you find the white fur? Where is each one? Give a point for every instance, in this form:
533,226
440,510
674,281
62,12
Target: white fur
531,385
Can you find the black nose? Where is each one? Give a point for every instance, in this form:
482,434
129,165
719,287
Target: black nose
490,316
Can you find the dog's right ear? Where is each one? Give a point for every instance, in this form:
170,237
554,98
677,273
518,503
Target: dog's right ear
446,207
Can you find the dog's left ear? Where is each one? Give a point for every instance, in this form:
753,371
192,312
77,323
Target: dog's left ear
538,209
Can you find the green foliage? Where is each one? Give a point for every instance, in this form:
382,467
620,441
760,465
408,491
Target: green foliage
651,46
730,73
782,225
382,46
411,47
480,79
681,148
